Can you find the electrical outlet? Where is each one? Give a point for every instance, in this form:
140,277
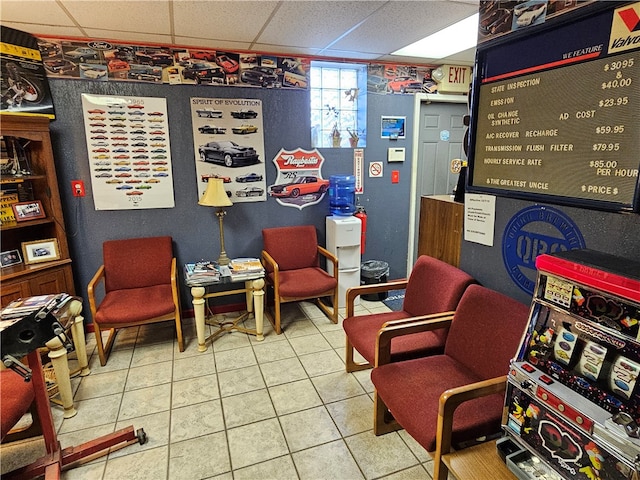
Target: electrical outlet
77,187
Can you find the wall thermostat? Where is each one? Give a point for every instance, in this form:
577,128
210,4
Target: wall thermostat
395,154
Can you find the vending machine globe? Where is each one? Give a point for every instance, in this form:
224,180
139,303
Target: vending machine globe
573,396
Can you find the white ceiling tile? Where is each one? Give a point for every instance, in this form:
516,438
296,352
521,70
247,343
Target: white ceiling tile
225,20
46,12
133,37
211,44
315,24
146,16
52,31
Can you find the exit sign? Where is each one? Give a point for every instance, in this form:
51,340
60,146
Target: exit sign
456,79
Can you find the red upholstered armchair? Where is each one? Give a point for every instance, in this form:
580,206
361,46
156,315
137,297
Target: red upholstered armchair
140,287
456,397
291,258
433,287
16,399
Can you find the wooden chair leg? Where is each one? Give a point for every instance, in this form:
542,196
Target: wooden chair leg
179,332
276,325
98,334
383,421
351,364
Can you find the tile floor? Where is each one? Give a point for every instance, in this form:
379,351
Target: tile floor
279,409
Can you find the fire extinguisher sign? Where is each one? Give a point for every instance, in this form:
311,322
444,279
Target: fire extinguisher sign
358,161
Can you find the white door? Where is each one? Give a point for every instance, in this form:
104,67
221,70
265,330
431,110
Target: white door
438,140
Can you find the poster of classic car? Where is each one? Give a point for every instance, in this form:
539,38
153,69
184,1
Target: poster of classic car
228,143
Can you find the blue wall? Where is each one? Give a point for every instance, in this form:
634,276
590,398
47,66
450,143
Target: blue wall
194,228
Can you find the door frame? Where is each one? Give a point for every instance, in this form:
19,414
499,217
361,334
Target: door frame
418,100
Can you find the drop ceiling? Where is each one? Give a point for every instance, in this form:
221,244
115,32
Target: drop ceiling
358,30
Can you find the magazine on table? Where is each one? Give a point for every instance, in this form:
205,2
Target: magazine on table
24,306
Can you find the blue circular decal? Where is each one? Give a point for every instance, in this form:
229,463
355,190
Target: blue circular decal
531,232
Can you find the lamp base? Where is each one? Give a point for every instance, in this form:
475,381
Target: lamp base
223,259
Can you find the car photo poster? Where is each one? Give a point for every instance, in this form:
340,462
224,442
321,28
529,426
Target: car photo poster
129,152
228,141
299,183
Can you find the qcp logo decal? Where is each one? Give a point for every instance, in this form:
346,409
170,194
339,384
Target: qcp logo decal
531,232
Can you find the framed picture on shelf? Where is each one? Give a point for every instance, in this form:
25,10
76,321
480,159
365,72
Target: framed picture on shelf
10,257
40,251
28,210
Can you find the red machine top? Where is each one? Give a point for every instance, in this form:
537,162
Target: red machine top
601,271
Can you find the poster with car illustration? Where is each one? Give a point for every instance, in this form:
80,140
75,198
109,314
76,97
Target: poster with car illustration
23,80
129,152
228,141
299,183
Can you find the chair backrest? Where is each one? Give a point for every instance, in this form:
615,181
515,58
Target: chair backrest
486,331
137,262
434,286
292,247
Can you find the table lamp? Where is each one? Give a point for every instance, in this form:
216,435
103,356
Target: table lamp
215,196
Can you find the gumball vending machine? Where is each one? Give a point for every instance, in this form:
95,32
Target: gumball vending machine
573,395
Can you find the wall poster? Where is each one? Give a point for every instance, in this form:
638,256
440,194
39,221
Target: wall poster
129,152
228,141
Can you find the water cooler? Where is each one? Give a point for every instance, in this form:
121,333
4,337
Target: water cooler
343,240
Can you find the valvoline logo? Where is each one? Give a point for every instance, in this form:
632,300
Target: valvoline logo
531,232
625,29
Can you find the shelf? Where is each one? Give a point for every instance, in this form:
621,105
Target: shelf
24,178
17,271
27,223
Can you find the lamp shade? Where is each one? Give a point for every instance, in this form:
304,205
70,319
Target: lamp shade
215,196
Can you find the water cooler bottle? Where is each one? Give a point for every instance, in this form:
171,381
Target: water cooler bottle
343,240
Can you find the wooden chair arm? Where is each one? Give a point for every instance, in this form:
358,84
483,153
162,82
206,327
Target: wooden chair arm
271,266
174,284
353,292
98,278
331,257
449,401
407,326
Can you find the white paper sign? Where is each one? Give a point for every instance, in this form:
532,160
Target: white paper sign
479,218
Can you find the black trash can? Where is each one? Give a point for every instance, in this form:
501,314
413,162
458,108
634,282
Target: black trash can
373,272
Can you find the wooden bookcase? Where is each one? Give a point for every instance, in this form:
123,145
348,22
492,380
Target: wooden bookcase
53,276
440,231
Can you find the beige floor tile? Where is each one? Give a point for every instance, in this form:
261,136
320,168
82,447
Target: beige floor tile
201,457
300,327
93,412
193,366
330,461
414,473
92,471
336,338
241,380
195,390
281,468
247,408
155,426
353,415
337,386
308,428
415,447
138,466
151,354
381,455
307,344
196,420
229,340
232,359
293,397
149,375
119,359
255,443
272,351
321,363
145,401
283,371
97,384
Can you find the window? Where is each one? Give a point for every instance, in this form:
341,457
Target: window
338,111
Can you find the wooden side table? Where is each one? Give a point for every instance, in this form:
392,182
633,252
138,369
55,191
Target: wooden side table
254,291
479,461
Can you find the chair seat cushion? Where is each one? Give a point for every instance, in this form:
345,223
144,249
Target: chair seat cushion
16,396
135,305
305,282
411,391
363,330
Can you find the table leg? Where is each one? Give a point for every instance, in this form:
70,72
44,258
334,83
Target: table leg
257,292
198,309
58,357
79,341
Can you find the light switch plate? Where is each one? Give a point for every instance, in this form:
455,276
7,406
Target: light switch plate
395,154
